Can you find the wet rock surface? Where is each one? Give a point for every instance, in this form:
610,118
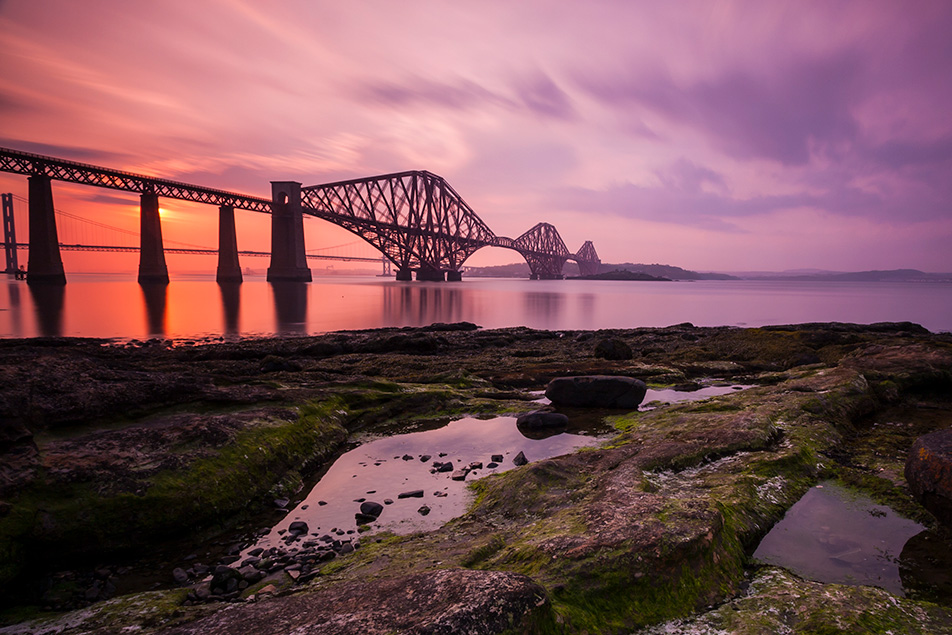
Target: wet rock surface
929,473
656,525
600,391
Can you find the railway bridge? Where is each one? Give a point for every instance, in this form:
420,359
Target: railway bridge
414,218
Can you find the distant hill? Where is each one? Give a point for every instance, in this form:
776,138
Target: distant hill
890,275
521,270
622,274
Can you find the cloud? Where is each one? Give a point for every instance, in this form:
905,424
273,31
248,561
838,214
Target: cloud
785,115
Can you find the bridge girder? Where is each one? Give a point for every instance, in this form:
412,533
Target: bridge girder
587,259
415,218
544,250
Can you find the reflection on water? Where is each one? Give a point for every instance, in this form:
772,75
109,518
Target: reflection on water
197,307
290,306
156,303
48,304
231,305
423,303
835,535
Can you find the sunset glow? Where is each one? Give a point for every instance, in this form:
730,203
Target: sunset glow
710,135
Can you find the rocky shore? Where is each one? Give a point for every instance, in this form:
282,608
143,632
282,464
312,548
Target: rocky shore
110,450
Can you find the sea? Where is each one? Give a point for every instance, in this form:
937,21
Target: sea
196,308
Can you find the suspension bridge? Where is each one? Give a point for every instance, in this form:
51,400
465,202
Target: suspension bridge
415,219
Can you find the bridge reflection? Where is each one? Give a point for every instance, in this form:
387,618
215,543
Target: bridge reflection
290,307
156,305
48,303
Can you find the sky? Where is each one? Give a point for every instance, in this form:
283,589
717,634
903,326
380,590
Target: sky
714,135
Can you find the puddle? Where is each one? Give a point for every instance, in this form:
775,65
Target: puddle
835,535
658,397
380,469
654,398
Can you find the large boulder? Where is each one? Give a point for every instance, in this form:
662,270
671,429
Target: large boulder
600,391
929,473
440,601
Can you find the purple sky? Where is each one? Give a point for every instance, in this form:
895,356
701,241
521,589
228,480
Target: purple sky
712,135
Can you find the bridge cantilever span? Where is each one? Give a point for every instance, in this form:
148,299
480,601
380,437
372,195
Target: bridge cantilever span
415,218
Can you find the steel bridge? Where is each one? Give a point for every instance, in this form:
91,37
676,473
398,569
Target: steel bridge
415,219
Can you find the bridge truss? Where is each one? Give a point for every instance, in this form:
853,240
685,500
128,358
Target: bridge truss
415,218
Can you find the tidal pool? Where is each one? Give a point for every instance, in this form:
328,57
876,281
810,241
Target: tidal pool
381,468
835,535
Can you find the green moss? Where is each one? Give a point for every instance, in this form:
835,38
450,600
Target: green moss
52,519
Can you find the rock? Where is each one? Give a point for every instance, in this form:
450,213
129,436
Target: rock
460,474
179,575
371,508
298,527
542,419
424,510
496,458
604,391
486,602
281,503
364,519
417,493
613,349
424,458
492,466
520,459
929,473
443,467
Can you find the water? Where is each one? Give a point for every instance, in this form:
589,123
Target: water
818,539
381,468
195,307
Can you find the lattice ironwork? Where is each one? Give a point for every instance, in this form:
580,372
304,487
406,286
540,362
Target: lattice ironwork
587,259
543,249
415,218
62,170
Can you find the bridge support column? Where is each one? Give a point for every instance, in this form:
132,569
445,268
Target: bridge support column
454,276
152,267
288,258
430,275
45,265
9,234
229,270
404,275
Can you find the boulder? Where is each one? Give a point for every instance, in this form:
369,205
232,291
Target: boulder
298,527
929,473
371,508
542,419
600,391
520,459
613,348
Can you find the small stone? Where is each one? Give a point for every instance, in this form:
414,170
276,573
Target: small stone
298,527
497,458
321,503
388,501
460,475
407,457
281,502
492,466
424,458
179,575
520,459
417,493
424,510
371,508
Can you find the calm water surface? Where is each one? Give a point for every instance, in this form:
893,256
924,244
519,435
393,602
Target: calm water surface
195,307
